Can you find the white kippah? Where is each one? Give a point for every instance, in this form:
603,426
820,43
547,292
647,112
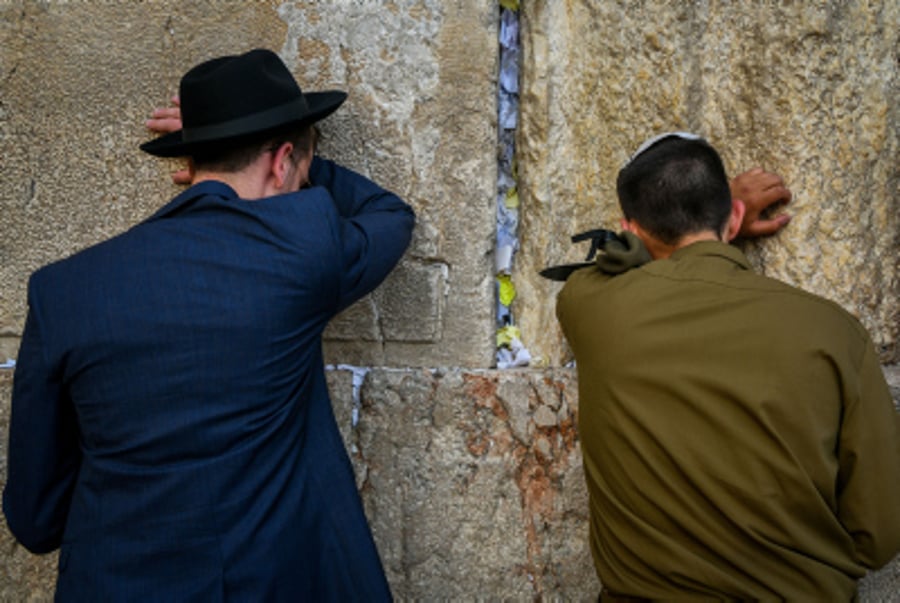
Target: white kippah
649,143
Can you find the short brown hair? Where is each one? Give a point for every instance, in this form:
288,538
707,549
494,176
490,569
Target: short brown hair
236,154
675,188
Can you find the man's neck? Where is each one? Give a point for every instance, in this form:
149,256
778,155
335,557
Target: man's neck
659,250
246,188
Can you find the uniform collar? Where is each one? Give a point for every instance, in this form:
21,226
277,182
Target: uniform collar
713,249
207,188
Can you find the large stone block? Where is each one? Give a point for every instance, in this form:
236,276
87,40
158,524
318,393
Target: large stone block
414,315
79,79
473,483
805,89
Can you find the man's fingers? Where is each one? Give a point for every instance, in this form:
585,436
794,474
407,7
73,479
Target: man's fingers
165,119
164,125
766,179
774,188
780,193
762,228
163,112
771,196
168,119
761,190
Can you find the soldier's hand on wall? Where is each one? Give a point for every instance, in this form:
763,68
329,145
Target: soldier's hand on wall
168,119
762,193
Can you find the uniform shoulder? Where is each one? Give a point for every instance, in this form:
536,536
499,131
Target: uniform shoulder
814,307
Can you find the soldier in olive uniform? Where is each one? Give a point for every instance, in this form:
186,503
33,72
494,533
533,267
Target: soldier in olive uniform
739,438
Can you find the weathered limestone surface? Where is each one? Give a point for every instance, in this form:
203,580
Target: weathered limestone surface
472,483
77,81
806,89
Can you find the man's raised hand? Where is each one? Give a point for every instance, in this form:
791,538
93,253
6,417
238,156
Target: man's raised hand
760,190
168,119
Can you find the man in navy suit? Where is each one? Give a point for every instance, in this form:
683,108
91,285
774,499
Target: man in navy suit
171,429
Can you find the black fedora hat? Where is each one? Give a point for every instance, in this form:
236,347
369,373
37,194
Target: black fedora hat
235,96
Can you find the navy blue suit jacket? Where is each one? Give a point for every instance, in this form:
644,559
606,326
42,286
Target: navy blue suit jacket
171,428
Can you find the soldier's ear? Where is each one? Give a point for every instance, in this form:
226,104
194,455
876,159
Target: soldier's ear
735,220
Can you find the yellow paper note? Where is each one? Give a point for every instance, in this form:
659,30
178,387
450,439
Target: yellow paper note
512,198
506,335
507,289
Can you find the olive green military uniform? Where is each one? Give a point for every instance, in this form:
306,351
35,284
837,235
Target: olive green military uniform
739,438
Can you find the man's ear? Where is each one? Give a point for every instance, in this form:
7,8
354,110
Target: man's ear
629,225
281,164
187,174
735,220
656,248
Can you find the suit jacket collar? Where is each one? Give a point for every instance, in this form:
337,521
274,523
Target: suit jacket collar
207,188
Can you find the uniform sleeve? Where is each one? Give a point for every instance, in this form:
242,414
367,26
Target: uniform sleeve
570,303
376,227
44,453
576,301
620,255
563,309
869,461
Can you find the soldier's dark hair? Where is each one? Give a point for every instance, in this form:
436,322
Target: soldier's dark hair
675,188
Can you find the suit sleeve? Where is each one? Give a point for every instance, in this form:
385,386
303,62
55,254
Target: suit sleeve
44,453
375,227
869,457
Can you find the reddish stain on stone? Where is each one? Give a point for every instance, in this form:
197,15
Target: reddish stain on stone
484,392
480,387
558,385
478,444
498,409
569,432
537,504
536,465
536,487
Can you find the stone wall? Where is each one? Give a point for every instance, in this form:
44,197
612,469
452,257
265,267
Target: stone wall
471,477
78,79
807,89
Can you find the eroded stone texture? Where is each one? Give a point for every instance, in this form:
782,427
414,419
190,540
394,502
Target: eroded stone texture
77,81
806,89
473,483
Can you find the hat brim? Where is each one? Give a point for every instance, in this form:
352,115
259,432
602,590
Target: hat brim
320,105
